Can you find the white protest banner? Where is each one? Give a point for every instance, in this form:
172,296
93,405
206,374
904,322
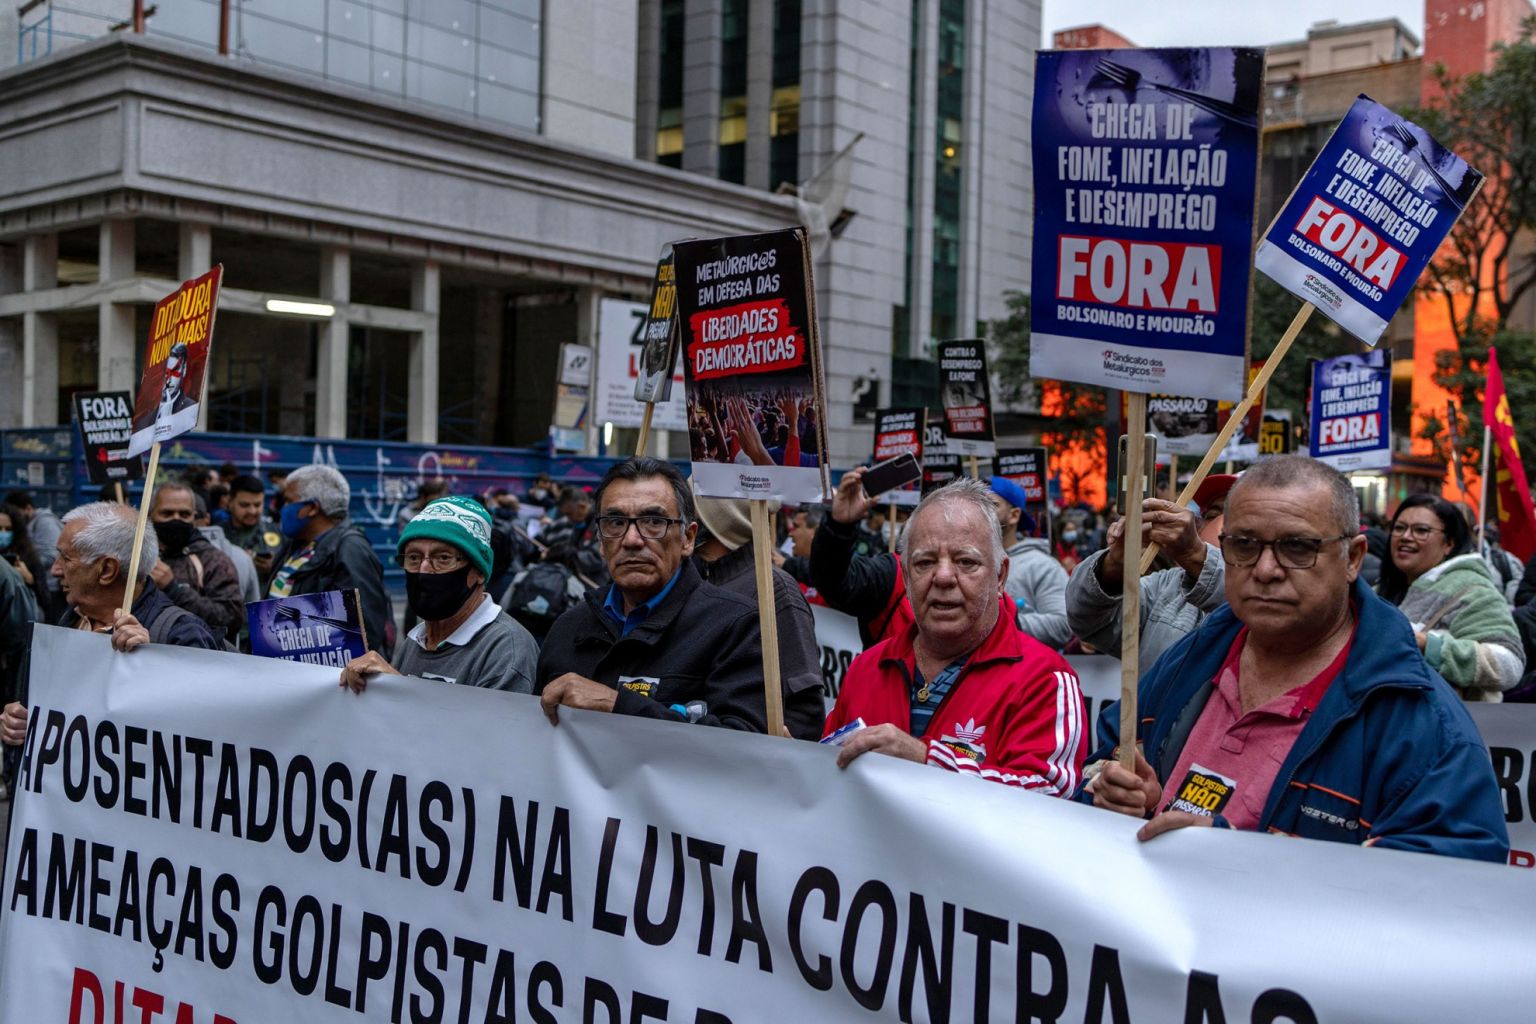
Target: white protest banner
620,348
837,634
204,834
1510,732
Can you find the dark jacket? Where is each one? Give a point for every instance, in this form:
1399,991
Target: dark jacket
207,585
148,605
343,560
1390,754
1525,593
701,643
18,610
859,585
800,678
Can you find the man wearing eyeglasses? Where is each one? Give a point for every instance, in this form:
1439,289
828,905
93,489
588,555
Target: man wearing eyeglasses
1303,707
463,636
658,642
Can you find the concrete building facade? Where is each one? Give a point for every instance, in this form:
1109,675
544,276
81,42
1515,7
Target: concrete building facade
465,180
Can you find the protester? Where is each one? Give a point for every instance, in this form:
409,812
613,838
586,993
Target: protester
463,636
95,550
43,528
872,590
1173,601
1302,708
1036,581
18,610
245,569
1508,571
325,550
543,492
1460,618
658,642
248,528
725,557
1377,547
572,540
794,556
17,551
193,573
963,688
427,492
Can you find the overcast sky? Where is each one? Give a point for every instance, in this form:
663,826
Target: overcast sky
1221,22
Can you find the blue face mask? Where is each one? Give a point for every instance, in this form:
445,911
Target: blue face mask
6,536
291,524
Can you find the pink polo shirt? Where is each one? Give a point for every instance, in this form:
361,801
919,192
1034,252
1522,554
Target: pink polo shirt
1230,761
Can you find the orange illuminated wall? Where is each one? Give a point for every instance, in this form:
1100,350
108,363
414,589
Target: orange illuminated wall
1460,36
1081,471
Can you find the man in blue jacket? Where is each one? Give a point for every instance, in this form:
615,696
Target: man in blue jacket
1303,707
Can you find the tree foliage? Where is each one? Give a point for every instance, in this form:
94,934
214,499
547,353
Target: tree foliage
1486,268
1075,411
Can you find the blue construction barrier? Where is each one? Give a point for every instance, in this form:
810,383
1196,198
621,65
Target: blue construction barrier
384,475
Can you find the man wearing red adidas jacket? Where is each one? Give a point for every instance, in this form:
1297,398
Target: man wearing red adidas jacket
963,688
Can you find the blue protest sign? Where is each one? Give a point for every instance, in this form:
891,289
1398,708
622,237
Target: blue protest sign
1146,165
1365,221
320,629
1352,411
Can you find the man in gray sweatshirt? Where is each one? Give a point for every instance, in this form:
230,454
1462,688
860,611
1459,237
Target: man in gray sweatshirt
1036,580
463,636
1173,601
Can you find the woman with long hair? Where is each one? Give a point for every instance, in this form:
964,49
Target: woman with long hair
1444,587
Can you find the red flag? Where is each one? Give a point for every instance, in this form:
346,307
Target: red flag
1517,518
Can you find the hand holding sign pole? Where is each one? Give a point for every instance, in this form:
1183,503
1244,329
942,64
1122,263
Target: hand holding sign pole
756,407
171,392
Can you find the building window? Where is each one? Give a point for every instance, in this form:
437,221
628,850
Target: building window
949,167
784,120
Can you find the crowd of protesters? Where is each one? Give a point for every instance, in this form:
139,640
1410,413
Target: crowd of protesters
1277,614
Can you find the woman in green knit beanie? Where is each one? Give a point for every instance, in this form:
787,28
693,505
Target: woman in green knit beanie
1443,586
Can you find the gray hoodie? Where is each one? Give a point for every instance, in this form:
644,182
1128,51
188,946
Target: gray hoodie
1171,605
1038,585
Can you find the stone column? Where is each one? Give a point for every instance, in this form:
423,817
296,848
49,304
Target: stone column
10,341
115,343
647,79
587,321
333,343
39,335
701,85
421,403
759,92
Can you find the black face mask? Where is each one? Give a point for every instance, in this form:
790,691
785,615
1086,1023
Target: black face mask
175,535
437,595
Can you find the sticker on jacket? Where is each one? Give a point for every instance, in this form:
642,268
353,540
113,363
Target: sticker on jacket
966,742
1203,792
645,686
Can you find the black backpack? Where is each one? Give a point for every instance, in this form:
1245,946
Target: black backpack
540,594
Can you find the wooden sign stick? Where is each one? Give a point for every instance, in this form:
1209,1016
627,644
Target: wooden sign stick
890,526
119,485
1239,413
767,616
1130,591
138,531
975,472
645,428
1173,474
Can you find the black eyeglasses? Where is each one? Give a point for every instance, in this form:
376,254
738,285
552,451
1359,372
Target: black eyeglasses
650,527
1418,531
1290,552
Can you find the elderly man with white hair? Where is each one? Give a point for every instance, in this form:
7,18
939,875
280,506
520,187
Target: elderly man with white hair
963,688
324,550
95,551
